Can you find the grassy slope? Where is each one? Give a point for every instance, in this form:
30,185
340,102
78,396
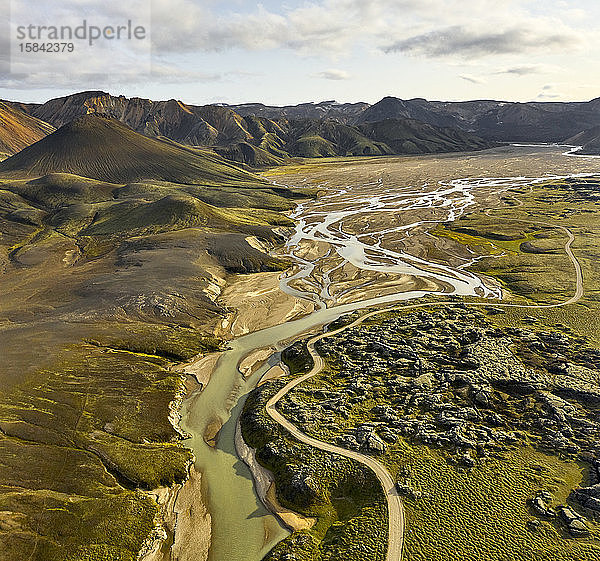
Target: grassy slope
18,129
106,287
541,277
407,136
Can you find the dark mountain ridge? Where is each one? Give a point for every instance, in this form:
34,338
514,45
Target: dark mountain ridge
249,135
259,135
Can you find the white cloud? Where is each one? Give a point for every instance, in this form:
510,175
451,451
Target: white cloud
434,28
545,96
527,69
472,79
329,25
334,74
465,42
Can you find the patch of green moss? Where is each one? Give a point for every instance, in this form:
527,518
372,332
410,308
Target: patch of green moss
174,343
297,358
483,513
345,498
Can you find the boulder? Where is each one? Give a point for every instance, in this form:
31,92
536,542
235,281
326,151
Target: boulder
466,460
374,444
541,504
589,497
574,522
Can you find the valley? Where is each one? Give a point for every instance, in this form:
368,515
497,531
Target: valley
312,280
144,281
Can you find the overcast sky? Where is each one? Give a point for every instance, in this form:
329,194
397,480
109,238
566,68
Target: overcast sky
205,51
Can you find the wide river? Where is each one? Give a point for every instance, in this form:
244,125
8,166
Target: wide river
242,529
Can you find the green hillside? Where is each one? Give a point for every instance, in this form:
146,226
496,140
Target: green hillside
114,250
105,149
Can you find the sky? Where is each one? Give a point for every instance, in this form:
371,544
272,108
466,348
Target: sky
292,51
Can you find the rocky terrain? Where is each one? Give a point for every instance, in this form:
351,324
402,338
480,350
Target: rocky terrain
343,112
451,380
344,496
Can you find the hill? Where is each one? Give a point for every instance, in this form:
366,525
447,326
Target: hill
107,150
164,118
18,129
408,136
533,123
417,109
194,125
589,140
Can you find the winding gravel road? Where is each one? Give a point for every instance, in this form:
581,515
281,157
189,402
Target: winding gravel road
396,522
395,506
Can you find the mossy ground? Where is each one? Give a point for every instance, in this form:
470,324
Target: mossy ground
343,496
522,250
483,513
78,439
479,513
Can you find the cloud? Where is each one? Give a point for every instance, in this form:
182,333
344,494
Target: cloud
334,27
465,42
163,73
313,27
526,70
334,74
198,34
472,79
124,59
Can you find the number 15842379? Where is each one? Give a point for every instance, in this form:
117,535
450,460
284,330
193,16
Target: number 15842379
46,47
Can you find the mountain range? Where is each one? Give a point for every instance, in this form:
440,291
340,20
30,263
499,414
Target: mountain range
261,135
